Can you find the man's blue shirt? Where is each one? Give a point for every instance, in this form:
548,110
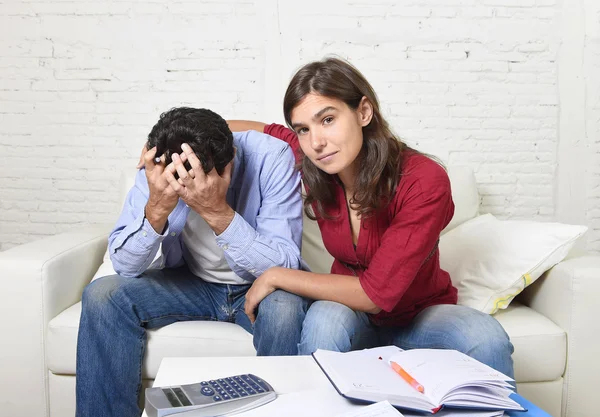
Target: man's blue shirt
266,231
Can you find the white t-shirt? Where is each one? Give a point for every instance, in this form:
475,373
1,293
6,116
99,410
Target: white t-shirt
202,254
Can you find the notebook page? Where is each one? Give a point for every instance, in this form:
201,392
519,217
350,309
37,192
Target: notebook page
439,371
363,371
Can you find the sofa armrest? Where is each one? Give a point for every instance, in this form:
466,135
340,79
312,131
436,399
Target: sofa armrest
38,280
568,295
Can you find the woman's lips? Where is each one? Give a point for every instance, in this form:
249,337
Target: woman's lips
327,157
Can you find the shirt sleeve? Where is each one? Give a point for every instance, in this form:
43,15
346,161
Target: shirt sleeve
277,238
133,243
287,135
426,209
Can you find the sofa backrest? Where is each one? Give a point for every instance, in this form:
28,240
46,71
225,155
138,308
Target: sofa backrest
464,194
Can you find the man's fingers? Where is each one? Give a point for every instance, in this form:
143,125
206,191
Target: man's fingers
181,170
142,161
148,158
227,172
193,159
174,184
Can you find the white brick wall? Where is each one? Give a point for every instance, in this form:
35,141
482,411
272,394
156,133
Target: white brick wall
473,81
592,121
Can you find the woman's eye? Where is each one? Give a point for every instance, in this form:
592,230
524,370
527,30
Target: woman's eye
328,120
302,131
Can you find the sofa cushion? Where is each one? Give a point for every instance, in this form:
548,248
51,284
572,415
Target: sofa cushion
540,345
491,261
191,338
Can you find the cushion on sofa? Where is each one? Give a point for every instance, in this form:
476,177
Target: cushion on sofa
190,338
540,345
491,260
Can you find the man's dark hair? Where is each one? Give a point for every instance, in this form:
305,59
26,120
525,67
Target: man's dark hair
205,131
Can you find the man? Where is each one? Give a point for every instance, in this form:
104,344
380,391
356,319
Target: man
220,209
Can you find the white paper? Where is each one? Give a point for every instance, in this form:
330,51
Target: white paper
314,403
380,409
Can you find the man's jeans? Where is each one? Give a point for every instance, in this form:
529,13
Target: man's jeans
117,311
333,326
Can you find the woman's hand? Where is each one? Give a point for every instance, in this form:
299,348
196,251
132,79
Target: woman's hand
260,289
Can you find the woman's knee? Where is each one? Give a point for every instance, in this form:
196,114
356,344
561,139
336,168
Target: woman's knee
282,307
329,325
474,333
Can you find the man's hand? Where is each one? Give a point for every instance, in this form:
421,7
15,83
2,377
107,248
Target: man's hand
163,198
260,289
204,193
141,162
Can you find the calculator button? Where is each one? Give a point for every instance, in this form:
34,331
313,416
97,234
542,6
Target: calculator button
203,383
243,394
235,395
217,398
226,397
213,383
183,399
251,391
207,391
260,390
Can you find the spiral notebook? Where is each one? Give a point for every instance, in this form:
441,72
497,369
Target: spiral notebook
448,379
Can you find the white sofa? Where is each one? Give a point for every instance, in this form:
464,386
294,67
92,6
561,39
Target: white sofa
552,325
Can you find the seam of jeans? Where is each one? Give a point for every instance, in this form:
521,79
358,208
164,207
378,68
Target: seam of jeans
206,318
139,363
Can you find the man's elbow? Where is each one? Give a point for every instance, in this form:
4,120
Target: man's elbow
290,258
125,271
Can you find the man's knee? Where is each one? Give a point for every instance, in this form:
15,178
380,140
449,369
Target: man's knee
103,292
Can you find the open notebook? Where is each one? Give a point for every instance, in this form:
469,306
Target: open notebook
449,378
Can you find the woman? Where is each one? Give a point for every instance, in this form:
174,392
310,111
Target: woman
380,206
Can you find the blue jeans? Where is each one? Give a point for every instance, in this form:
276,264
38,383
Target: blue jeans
117,311
333,326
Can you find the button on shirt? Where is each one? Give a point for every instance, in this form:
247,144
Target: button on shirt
266,230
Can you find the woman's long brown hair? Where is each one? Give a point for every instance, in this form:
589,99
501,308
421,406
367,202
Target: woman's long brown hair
380,157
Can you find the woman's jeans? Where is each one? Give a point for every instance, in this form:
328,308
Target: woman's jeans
333,326
117,311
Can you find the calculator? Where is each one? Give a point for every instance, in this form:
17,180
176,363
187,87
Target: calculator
217,397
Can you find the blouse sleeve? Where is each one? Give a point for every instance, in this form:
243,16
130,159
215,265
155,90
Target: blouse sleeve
286,135
412,236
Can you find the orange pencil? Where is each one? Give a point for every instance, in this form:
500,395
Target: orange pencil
413,382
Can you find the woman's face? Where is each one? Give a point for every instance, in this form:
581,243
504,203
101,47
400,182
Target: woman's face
330,132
